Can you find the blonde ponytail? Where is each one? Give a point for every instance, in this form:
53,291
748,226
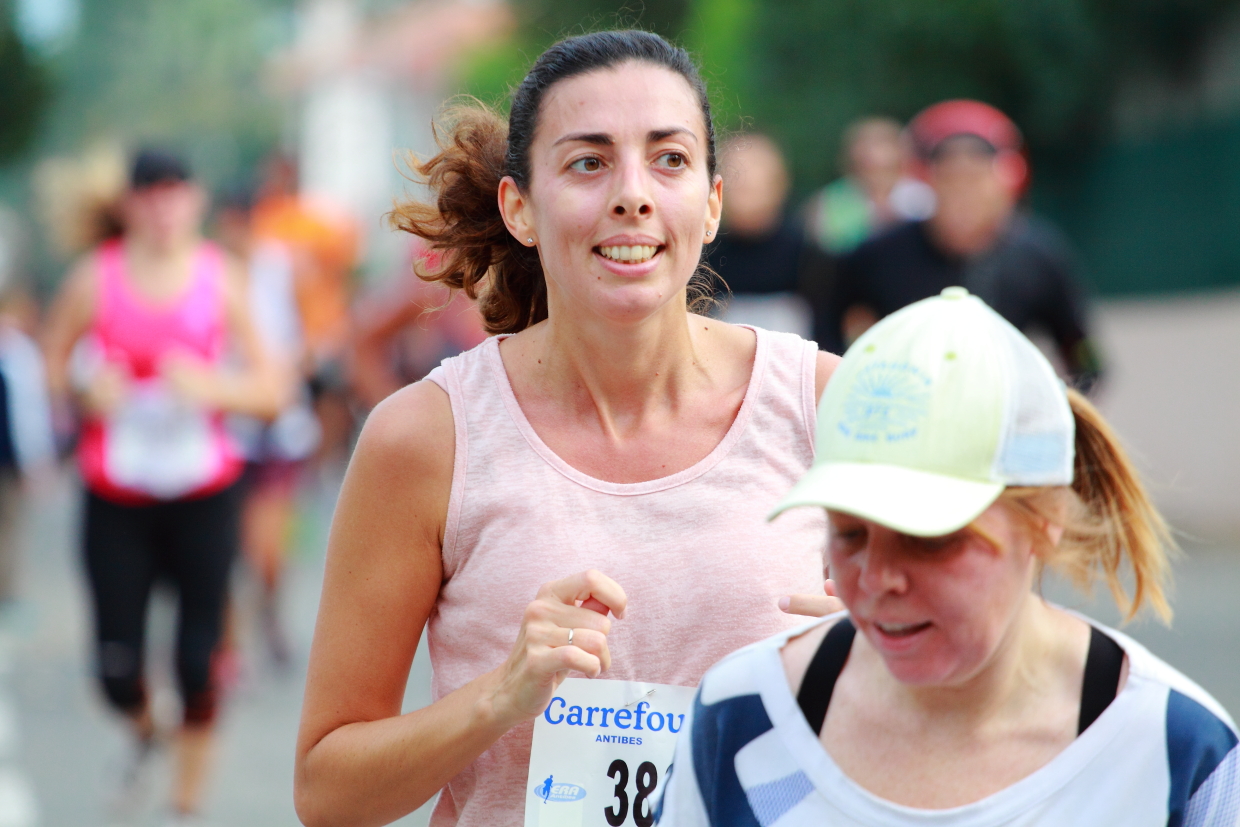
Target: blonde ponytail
1111,524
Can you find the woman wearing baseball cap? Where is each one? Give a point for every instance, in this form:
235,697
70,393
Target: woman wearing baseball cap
955,468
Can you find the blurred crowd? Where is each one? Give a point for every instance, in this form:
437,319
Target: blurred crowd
920,207
209,355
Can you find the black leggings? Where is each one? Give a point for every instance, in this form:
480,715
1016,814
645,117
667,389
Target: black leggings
190,542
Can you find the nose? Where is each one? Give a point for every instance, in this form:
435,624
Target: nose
632,195
881,565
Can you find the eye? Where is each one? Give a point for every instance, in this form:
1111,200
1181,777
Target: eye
847,534
673,160
587,164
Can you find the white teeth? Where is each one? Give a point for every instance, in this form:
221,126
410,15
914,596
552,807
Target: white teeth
632,255
897,628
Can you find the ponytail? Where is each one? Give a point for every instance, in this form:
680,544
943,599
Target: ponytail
1110,523
479,255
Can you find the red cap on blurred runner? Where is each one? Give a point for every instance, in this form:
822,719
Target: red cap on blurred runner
948,119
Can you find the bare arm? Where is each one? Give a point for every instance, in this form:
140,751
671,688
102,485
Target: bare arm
69,318
827,363
359,761
817,605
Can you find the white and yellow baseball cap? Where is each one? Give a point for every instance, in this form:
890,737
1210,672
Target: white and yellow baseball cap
931,414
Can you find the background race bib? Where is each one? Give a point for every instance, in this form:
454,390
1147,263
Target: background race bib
159,444
601,753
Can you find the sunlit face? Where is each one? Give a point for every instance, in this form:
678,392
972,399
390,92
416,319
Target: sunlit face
620,199
164,213
936,609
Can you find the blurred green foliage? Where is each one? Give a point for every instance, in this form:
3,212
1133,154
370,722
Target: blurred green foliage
803,69
1053,65
186,74
490,75
24,89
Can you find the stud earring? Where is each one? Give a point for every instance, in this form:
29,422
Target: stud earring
529,241
709,233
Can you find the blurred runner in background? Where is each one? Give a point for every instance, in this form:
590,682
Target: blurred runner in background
875,191
323,243
408,328
26,444
275,452
760,250
138,338
973,158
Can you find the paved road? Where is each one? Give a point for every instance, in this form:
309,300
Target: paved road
59,749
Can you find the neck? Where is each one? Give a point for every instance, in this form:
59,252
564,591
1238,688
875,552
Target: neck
967,232
621,371
157,249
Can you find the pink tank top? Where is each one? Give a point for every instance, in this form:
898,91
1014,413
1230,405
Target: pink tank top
157,446
701,566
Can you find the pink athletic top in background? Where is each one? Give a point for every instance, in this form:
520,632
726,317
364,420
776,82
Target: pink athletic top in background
702,568
131,332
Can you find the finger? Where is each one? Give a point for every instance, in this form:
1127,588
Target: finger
594,606
595,643
810,605
559,618
584,586
568,658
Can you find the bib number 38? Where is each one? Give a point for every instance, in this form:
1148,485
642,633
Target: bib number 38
643,808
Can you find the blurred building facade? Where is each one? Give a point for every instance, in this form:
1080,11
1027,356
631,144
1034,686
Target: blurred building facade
365,88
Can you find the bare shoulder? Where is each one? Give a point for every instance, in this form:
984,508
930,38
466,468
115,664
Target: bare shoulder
74,306
800,650
396,490
412,429
735,344
81,282
827,363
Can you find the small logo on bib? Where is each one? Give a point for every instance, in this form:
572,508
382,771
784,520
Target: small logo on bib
887,401
551,791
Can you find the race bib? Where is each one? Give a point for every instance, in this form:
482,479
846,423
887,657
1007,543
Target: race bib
601,753
159,444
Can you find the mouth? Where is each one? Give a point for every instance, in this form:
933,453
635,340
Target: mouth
626,254
901,630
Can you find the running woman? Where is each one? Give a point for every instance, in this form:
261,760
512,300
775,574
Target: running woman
581,494
955,467
152,314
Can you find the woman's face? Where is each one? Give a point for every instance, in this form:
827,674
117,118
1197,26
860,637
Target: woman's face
936,609
620,199
164,214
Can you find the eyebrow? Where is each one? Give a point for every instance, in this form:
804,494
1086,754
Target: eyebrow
603,139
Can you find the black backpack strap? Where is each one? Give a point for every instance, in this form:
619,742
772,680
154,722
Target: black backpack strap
824,670
1103,665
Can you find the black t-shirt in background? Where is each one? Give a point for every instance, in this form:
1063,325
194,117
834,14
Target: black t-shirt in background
1028,277
750,265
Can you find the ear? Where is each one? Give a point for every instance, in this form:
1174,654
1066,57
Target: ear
514,207
1012,169
714,209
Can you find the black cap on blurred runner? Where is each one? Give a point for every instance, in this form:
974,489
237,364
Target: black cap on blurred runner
152,167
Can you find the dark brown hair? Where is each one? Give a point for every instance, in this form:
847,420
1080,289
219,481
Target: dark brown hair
477,149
